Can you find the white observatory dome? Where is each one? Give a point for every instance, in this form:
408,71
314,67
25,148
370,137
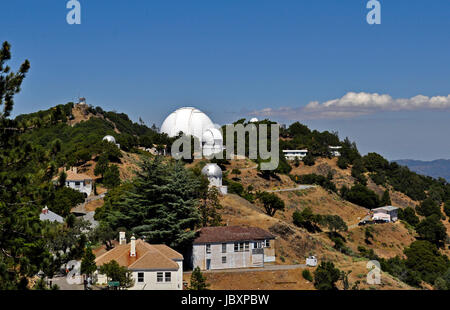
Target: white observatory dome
109,139
254,120
212,171
190,121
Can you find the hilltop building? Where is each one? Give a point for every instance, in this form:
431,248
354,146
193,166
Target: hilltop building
78,181
335,150
293,154
388,213
214,175
226,247
193,122
153,266
111,139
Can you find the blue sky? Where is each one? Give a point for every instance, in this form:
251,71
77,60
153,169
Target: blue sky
241,58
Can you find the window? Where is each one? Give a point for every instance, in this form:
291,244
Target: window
140,277
224,247
208,249
77,183
247,246
267,245
159,277
224,259
236,247
241,247
168,277
257,245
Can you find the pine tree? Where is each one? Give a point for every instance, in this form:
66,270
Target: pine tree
162,205
88,265
209,207
198,281
22,195
386,199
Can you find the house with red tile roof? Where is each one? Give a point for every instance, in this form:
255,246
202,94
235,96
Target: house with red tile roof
153,266
226,247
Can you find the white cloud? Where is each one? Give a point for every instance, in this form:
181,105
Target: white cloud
356,104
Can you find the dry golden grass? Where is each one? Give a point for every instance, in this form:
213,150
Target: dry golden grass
389,239
257,280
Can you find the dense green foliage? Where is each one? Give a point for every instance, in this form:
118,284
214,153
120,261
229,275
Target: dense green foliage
408,215
361,195
88,266
310,221
271,202
326,276
65,199
306,274
198,281
424,262
432,230
117,273
161,204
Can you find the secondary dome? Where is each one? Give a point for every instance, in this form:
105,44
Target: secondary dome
109,139
190,121
212,170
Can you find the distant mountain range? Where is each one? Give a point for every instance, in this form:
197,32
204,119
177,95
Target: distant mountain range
436,168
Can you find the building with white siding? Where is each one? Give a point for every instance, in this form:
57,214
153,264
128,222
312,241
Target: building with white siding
153,266
226,247
79,181
293,154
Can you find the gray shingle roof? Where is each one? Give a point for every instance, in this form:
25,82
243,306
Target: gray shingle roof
51,216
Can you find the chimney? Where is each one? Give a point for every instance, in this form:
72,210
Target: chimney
133,246
45,210
122,238
75,170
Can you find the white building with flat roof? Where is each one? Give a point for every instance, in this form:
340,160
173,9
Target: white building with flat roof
387,213
335,150
293,154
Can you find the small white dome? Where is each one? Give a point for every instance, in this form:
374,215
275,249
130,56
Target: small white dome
109,139
254,120
212,170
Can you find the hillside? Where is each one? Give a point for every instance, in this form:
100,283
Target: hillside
346,187
437,168
292,247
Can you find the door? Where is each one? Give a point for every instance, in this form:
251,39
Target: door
208,264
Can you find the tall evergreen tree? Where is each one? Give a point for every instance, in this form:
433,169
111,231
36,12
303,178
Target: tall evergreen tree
22,195
162,204
88,265
386,199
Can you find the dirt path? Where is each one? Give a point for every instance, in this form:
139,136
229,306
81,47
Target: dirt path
298,188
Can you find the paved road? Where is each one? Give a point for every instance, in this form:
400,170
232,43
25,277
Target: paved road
298,188
64,286
265,268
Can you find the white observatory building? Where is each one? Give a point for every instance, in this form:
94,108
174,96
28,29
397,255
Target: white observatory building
111,139
193,122
214,175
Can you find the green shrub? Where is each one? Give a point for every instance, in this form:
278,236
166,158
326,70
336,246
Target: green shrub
307,275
